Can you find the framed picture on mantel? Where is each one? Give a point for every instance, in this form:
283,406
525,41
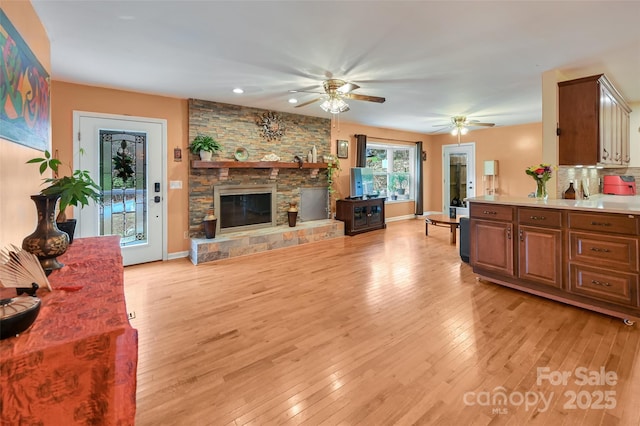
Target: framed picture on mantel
343,149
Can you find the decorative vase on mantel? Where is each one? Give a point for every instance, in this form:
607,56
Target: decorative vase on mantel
541,190
47,242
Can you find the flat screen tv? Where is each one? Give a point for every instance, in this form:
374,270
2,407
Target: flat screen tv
361,182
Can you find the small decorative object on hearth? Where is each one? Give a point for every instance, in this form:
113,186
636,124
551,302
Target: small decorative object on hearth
541,174
210,221
292,213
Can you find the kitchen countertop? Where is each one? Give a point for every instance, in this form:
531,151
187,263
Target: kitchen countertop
598,203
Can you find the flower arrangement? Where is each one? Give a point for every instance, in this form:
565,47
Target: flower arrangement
541,174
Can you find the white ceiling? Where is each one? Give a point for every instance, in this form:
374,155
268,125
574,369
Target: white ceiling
430,59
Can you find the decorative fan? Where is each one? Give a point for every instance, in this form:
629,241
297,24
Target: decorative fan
335,93
460,125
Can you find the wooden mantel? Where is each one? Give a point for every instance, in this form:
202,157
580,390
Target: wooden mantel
275,166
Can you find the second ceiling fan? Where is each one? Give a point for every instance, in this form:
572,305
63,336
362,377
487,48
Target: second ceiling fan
335,93
460,125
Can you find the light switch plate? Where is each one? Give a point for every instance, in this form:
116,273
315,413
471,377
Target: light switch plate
175,184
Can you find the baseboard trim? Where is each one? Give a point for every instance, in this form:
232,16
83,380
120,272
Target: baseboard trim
397,218
177,255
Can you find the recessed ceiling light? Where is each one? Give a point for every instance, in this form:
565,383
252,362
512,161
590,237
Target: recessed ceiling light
238,90
293,101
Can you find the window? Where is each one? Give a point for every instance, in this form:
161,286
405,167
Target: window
393,168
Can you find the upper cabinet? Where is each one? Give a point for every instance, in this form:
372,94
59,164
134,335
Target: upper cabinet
593,123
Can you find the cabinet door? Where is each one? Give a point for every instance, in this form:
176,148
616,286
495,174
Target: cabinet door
607,127
360,218
492,246
375,214
540,255
625,129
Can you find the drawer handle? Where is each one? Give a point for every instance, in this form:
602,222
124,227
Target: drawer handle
600,250
604,284
489,212
601,223
537,217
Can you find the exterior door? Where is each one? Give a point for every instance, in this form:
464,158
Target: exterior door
458,169
125,157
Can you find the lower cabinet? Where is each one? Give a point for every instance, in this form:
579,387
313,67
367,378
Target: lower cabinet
581,258
361,215
540,255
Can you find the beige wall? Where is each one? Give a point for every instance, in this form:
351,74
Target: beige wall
68,97
18,180
515,148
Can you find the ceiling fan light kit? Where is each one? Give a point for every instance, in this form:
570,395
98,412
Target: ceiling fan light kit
335,93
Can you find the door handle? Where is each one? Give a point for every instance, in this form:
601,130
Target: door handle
156,199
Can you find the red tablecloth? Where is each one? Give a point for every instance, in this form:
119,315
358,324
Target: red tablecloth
77,363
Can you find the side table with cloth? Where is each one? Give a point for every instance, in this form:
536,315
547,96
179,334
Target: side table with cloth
77,363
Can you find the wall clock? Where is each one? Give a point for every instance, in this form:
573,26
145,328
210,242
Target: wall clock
271,125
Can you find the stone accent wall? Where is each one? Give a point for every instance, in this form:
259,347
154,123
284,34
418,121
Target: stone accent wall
234,126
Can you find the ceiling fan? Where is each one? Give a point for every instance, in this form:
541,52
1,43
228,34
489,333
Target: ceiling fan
460,125
335,93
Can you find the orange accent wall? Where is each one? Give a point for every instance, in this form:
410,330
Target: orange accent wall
19,180
346,131
69,97
515,147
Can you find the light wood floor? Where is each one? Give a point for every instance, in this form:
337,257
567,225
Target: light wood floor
388,327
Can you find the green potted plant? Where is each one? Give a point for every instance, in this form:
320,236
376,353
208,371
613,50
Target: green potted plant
205,146
74,190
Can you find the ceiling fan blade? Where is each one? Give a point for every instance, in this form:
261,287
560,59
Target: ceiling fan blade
305,91
308,102
443,125
478,124
347,87
364,98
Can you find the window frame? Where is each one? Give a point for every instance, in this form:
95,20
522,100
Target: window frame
390,147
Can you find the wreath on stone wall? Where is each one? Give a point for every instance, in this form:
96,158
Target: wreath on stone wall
271,125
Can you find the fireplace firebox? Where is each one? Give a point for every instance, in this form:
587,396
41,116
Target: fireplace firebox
244,207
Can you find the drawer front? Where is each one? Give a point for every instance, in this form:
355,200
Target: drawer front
602,284
540,217
609,223
491,211
610,251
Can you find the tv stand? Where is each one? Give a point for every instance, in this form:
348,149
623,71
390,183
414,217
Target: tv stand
361,215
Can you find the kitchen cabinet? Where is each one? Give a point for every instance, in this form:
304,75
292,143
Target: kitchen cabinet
491,238
361,215
585,258
593,123
540,246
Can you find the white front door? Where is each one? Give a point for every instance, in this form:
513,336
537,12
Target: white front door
125,156
458,169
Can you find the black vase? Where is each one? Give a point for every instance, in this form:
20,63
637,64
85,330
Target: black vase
210,228
292,216
69,227
47,242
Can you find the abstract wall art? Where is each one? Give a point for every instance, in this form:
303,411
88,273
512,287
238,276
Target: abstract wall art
24,91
